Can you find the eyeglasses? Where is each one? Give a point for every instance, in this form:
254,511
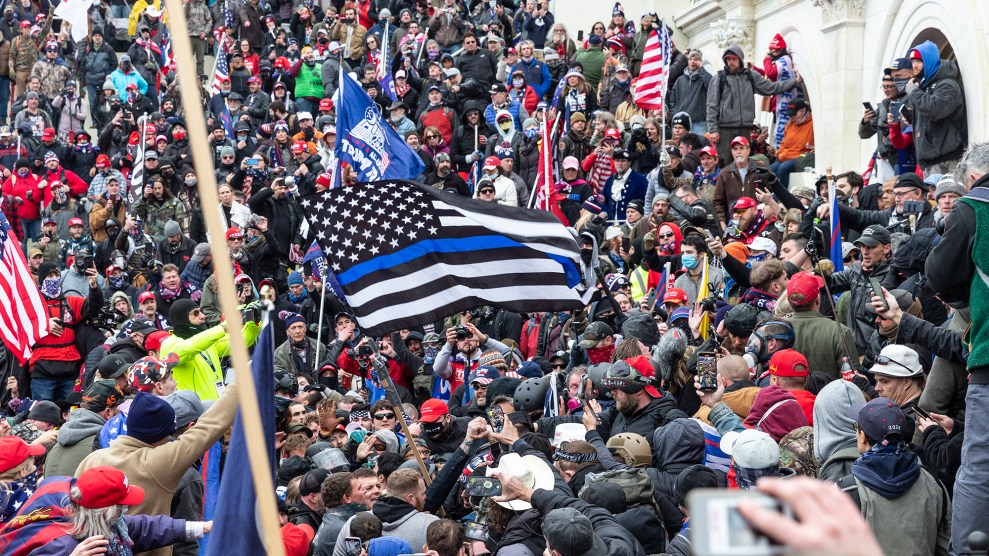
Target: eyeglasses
667,236
224,156
470,42
883,360
196,312
559,365
383,416
428,137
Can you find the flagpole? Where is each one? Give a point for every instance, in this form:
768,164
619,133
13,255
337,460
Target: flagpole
319,329
257,448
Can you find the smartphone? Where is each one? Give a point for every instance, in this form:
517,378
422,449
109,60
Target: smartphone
921,412
913,207
496,418
252,162
718,529
482,486
707,370
352,546
894,109
868,106
877,289
475,531
580,35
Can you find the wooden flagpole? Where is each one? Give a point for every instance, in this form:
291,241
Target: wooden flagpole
203,163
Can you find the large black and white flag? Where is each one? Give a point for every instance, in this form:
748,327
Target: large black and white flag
406,254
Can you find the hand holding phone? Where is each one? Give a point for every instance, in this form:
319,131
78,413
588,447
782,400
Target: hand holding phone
707,371
877,290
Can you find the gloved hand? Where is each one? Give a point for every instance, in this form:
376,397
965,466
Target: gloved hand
649,241
664,158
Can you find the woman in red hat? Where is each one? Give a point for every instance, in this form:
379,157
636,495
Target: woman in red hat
98,505
18,474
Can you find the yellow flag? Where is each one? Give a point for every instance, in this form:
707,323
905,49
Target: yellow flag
703,293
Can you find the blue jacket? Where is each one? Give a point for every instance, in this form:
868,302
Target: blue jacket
513,109
635,188
537,31
121,80
536,75
147,532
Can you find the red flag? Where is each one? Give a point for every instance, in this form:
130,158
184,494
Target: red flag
544,176
23,319
650,88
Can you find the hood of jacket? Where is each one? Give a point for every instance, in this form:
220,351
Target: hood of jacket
737,51
392,511
125,297
776,412
834,430
82,424
931,57
472,105
677,445
888,470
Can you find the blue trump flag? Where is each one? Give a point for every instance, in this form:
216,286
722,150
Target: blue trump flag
315,256
367,142
235,527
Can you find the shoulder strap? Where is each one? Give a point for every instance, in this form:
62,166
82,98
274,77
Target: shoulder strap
945,498
848,485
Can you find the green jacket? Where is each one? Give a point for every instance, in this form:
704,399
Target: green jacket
309,82
156,214
199,358
592,61
979,293
819,339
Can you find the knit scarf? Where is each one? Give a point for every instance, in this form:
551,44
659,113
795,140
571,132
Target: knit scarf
120,541
85,149
401,90
758,299
756,227
168,295
601,170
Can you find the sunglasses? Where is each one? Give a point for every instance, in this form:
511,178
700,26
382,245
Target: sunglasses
883,360
666,236
559,366
383,416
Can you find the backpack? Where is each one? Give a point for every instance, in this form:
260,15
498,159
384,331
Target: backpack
721,81
848,485
635,483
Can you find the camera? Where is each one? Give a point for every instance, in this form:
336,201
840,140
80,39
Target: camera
709,304
49,234
721,530
364,350
107,319
462,332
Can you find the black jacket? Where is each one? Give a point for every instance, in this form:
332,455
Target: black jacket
481,65
645,421
615,537
856,280
301,513
856,219
699,213
950,267
942,342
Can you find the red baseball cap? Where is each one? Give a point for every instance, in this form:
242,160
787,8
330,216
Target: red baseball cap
785,361
740,140
326,104
744,203
675,295
325,179
803,288
645,368
298,147
915,55
297,538
154,340
25,23
110,269
48,133
144,297
234,233
104,486
433,410
76,222
13,452
492,162
613,133
709,151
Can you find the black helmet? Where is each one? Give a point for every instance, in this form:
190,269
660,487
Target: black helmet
531,394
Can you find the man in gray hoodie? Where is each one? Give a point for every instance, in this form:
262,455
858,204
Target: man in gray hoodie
731,99
79,437
834,430
400,511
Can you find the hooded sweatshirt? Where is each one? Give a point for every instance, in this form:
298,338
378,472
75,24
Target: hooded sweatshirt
939,120
775,412
675,447
76,440
889,470
834,430
398,519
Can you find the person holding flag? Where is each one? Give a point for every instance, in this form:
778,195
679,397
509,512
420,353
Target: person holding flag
699,278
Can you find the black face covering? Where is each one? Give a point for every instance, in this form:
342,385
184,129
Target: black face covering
179,315
586,254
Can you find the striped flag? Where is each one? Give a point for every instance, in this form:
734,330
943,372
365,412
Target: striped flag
23,318
222,71
41,519
315,256
650,89
407,254
835,218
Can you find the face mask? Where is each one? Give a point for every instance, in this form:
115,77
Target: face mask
23,172
178,135
51,287
117,282
689,261
505,125
531,133
117,136
586,254
310,63
191,182
901,84
492,3
324,40
518,82
433,53
125,66
758,258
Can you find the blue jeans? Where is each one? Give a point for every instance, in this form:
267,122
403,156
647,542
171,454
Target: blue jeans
4,97
306,105
782,171
972,482
51,389
31,230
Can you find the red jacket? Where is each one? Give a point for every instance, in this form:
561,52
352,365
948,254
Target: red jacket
440,117
529,341
29,209
806,401
61,348
77,187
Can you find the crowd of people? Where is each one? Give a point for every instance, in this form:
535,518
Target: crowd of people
726,346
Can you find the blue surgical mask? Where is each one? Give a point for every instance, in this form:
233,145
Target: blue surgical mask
689,261
758,258
531,133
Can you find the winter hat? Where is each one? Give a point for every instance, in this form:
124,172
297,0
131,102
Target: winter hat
777,43
594,204
529,122
741,319
291,318
695,476
947,184
642,328
172,228
682,119
46,412
108,85
295,278
390,440
491,358
150,418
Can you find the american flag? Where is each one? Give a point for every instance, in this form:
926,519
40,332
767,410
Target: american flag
546,172
167,58
406,254
650,89
222,71
23,318
228,22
